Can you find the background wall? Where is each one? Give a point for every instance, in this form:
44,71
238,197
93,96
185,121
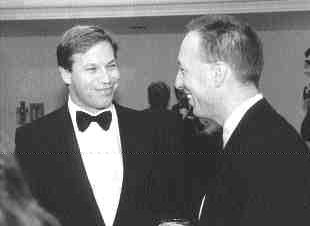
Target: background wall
146,58
29,72
283,78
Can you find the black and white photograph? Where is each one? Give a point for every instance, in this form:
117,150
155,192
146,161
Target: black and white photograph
154,112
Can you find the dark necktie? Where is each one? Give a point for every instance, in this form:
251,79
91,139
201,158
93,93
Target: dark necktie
83,120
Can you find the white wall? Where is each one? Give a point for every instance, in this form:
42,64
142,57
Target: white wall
28,70
144,59
283,78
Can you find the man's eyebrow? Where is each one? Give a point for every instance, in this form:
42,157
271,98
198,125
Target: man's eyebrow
111,61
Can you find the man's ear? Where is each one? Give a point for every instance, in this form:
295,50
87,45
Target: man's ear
221,73
65,75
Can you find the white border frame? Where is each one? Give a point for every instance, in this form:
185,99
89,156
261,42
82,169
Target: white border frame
68,9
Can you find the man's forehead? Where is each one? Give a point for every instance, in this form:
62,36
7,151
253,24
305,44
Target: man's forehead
98,48
190,46
84,49
191,39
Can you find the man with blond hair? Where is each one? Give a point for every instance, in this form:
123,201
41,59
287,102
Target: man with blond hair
262,175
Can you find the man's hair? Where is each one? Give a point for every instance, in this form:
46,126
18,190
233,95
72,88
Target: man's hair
224,38
79,39
158,95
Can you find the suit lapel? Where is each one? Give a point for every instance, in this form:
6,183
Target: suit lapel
135,168
74,160
123,132
75,177
224,170
233,142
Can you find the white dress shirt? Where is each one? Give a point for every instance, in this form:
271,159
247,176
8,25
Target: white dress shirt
235,117
101,153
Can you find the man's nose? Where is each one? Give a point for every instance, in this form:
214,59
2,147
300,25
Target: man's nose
104,75
178,81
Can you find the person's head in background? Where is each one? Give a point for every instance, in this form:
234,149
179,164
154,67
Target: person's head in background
87,61
17,206
158,95
220,63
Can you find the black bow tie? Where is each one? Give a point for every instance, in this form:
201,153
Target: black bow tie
83,120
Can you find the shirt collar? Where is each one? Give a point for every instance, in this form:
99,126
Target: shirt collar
235,117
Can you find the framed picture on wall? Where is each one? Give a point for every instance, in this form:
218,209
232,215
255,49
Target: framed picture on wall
36,111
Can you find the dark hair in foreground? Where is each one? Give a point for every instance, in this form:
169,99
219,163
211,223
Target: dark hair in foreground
226,39
17,206
79,39
158,95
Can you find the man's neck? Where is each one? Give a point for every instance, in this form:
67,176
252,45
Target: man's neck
234,100
236,116
77,106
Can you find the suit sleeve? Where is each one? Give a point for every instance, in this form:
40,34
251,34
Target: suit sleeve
26,158
276,191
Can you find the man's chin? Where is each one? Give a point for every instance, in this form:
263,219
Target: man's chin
101,106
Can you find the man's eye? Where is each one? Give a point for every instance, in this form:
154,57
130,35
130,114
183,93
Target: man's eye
91,69
111,66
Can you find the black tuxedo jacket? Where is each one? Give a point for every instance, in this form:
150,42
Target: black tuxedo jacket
49,156
262,174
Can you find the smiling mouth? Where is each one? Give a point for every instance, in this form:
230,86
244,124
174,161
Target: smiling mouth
106,91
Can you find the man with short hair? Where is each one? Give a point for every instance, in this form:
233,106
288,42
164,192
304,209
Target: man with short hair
262,175
92,162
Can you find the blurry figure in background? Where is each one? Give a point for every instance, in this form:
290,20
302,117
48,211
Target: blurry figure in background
17,206
160,116
305,126
158,96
